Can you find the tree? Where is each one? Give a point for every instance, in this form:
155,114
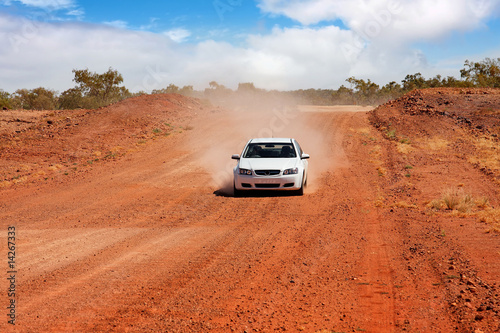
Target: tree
213,85
246,87
482,74
71,99
99,89
451,81
35,99
187,91
434,82
5,101
217,90
415,81
171,89
390,91
364,91
343,95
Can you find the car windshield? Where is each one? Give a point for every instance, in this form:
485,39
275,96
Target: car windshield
270,150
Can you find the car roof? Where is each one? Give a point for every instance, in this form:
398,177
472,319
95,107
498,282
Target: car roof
271,140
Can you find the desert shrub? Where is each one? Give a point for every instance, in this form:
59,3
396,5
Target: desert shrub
35,99
5,101
483,202
457,199
71,99
491,217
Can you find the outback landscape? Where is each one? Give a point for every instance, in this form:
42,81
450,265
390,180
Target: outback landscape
125,221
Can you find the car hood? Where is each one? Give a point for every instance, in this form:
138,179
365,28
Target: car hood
268,163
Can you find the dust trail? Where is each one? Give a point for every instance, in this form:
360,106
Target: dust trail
225,132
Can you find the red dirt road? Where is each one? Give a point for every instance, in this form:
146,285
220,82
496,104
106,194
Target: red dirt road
149,242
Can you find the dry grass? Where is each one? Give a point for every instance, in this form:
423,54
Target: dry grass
364,130
379,202
116,149
376,159
376,152
404,148
491,217
482,202
463,204
17,180
55,167
435,143
457,199
487,154
5,183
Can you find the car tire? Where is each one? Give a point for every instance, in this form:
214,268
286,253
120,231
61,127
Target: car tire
301,190
236,193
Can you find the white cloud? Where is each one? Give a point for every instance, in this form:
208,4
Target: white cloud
44,54
306,12
117,24
325,57
178,35
399,19
151,25
77,13
47,4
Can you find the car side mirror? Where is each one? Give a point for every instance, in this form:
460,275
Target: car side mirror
235,157
304,156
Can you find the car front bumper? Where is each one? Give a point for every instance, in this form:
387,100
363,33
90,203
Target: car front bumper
251,182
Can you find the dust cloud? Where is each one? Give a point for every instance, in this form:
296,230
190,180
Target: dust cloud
226,130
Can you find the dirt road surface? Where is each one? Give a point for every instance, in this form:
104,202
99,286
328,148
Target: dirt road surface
151,240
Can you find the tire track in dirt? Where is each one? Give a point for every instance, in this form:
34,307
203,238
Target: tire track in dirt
115,267
89,198
376,281
373,275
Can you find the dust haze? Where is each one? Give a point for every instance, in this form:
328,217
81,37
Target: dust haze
231,123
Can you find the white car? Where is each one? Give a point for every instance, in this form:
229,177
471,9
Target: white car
271,164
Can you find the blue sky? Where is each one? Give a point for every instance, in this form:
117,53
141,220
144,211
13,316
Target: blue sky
276,44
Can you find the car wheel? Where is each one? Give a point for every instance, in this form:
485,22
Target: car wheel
301,190
236,193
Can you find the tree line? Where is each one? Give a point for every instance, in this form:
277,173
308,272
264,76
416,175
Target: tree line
93,90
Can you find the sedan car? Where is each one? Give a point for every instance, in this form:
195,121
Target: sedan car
271,164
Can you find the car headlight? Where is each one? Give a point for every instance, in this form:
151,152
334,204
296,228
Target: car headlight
291,171
245,172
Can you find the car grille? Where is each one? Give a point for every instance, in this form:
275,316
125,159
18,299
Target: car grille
267,172
267,185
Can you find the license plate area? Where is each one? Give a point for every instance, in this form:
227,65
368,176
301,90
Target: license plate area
266,181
